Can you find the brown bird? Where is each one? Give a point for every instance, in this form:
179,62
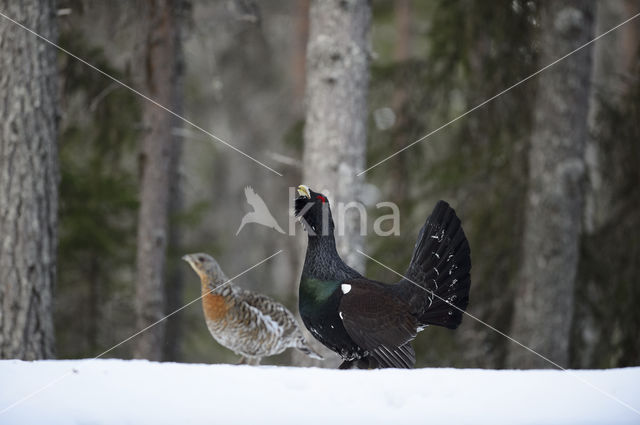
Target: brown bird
251,325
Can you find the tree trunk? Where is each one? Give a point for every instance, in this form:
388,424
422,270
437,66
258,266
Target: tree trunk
613,65
337,75
174,288
157,169
545,299
300,50
28,180
605,322
399,173
335,128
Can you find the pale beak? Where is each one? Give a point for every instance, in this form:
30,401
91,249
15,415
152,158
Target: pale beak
304,191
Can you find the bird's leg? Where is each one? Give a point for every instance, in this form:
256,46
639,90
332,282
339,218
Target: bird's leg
368,363
347,364
251,361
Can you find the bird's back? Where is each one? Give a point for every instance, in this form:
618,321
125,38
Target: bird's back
251,324
275,311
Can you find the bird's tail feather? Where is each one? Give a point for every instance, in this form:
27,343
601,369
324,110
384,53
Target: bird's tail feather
440,265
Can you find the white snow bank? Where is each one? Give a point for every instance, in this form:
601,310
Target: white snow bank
141,392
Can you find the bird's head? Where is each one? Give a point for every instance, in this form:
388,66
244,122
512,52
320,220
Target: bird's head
206,267
312,208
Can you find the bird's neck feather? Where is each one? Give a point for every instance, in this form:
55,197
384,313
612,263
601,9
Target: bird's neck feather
323,262
209,284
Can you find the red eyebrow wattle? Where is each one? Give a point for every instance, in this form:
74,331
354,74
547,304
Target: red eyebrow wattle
322,198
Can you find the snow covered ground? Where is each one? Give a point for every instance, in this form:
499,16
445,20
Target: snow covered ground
140,392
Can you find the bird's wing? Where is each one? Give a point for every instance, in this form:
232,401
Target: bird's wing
378,322
273,309
440,265
255,200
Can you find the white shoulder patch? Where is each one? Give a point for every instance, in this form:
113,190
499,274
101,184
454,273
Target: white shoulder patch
345,288
340,314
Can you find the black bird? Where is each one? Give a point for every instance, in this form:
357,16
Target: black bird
371,324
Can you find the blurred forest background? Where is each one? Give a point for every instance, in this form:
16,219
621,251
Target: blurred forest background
545,177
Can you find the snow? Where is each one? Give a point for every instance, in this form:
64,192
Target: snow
141,392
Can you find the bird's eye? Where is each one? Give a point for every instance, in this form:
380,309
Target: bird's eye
201,259
322,198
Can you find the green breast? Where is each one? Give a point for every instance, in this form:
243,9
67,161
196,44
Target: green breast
315,293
